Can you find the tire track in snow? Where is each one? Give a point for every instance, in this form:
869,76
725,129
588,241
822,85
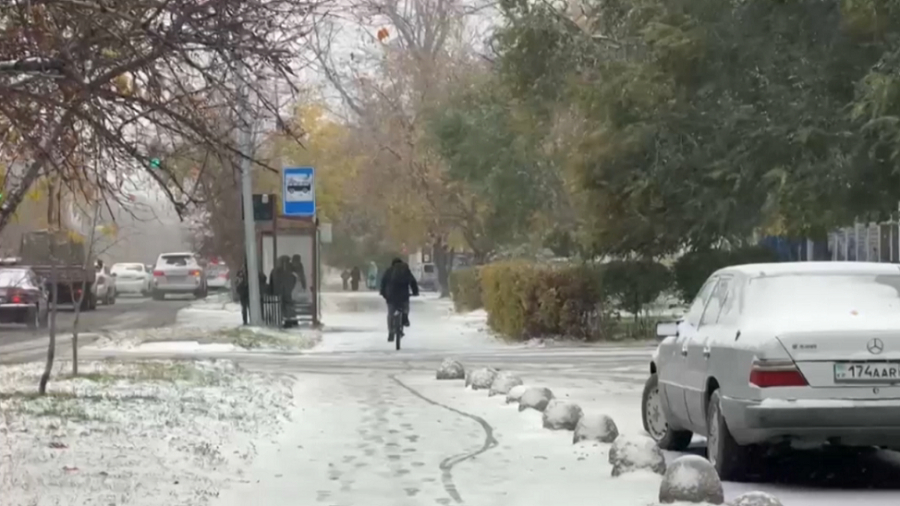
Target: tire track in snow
446,465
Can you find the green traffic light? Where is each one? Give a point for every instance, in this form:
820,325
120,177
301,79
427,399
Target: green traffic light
154,162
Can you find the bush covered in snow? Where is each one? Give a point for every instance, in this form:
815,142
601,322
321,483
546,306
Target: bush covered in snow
595,427
481,379
535,398
691,479
503,382
450,370
515,393
561,415
633,453
755,499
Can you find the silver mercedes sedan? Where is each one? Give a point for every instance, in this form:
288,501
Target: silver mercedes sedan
797,354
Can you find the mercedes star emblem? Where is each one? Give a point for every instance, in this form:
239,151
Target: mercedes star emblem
875,346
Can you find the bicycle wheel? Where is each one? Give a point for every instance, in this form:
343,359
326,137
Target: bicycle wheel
398,328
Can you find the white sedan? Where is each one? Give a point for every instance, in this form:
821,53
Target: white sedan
792,354
132,278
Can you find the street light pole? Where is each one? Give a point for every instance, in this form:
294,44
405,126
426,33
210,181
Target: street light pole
246,148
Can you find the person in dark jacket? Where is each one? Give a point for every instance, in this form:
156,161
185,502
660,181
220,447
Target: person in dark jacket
281,283
297,266
243,290
355,276
396,284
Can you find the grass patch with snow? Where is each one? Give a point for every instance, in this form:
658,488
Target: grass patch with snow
245,338
133,433
252,338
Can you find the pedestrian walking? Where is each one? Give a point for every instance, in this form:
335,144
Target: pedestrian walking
345,279
372,276
355,275
243,289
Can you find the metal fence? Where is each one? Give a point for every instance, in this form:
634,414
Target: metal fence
277,314
872,242
272,311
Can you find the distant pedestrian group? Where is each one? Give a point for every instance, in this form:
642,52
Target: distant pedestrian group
352,276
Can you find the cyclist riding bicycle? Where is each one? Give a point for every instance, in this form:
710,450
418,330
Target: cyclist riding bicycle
396,284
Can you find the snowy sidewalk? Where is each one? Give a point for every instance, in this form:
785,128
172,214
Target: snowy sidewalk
409,440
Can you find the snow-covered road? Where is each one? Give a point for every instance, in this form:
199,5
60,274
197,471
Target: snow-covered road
372,426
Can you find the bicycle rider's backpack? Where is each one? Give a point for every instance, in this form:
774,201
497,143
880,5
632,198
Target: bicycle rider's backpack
397,281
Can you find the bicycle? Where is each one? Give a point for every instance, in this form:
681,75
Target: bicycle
396,330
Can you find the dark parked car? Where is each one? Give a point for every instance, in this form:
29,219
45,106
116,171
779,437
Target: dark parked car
22,297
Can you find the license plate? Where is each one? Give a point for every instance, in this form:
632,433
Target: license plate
176,279
877,372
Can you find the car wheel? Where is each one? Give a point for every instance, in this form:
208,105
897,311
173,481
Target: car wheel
654,418
731,460
32,317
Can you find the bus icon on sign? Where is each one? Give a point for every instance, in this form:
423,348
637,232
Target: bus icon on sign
299,187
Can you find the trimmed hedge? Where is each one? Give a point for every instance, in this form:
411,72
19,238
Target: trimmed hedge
465,289
525,300
692,269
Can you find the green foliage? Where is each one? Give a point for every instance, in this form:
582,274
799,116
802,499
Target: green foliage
692,269
526,300
633,284
465,288
493,156
702,120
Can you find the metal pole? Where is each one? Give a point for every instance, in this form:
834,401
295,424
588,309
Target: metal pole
246,148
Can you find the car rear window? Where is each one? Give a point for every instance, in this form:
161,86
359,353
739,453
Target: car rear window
823,294
128,267
177,260
13,277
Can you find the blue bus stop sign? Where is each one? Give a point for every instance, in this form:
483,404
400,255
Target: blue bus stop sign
298,192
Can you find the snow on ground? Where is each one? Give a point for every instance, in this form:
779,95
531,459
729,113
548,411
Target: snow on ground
362,437
143,433
370,439
212,325
357,322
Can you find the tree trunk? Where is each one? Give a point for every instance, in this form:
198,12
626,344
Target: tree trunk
51,348
92,238
443,261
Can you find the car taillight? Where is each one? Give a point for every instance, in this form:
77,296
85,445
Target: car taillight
19,297
159,274
776,373
194,273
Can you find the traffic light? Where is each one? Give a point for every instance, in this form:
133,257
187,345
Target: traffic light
154,163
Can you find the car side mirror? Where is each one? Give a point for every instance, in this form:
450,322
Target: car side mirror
666,329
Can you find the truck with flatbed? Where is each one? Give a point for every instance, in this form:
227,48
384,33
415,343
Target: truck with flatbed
61,258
